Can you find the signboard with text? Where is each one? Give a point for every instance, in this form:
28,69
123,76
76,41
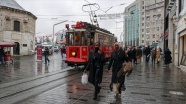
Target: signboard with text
39,52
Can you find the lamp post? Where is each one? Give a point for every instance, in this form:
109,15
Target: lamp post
53,32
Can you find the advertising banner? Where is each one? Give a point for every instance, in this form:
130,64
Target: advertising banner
39,52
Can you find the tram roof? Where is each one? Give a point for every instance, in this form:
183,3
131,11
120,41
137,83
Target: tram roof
93,27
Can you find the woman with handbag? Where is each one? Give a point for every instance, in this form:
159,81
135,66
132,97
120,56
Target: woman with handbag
95,67
116,61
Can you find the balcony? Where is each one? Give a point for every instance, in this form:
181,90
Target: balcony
171,5
157,5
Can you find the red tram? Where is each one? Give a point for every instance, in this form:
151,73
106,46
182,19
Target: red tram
80,41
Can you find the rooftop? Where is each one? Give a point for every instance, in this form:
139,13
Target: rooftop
11,4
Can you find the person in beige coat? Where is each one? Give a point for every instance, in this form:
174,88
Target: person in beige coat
158,53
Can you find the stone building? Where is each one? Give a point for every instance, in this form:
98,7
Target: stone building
154,22
18,26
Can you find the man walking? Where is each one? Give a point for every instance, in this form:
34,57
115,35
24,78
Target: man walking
46,53
2,54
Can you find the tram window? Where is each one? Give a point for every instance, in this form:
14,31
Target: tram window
100,40
92,39
84,39
71,40
77,38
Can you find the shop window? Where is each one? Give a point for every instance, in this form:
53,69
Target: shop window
183,61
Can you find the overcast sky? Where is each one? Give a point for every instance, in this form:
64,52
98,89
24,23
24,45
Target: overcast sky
50,12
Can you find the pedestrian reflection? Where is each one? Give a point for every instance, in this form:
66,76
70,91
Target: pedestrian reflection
39,68
46,68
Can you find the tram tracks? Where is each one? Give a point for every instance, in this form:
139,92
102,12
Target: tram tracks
16,91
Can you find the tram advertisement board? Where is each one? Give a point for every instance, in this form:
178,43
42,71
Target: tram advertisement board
39,52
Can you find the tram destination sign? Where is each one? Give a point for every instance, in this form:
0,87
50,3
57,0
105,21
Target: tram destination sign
111,16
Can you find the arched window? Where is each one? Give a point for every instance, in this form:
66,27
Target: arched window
16,26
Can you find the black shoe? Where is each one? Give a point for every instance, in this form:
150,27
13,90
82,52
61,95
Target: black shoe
95,97
111,86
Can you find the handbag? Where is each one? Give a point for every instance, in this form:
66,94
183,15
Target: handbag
126,67
84,78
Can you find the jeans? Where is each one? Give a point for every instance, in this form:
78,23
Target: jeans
46,59
2,60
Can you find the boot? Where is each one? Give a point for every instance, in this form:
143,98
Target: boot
99,89
95,95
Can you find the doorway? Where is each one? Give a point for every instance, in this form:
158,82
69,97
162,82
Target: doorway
16,48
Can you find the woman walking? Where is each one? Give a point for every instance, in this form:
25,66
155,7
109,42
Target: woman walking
168,58
158,53
116,61
95,67
153,55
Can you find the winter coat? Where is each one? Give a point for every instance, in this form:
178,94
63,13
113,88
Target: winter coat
147,51
95,67
116,62
134,53
168,58
46,52
2,53
130,55
138,53
153,53
158,53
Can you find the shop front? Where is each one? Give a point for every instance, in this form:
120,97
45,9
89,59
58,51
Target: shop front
183,50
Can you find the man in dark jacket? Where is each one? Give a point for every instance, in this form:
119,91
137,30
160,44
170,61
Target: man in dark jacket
147,53
2,54
95,67
46,53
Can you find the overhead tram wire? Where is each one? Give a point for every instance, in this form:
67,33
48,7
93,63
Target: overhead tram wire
83,12
107,10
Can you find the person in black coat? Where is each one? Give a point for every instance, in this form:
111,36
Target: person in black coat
95,67
46,53
134,55
2,55
147,53
168,58
116,61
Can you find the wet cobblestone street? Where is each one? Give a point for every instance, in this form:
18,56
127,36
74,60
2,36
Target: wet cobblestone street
148,84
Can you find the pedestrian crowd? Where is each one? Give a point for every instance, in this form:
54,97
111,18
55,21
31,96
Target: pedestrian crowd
121,64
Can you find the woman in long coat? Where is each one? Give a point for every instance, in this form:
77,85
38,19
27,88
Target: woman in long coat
95,67
116,61
168,58
158,54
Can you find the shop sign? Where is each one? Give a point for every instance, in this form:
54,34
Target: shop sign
39,52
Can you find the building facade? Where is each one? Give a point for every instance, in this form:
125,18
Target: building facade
18,26
181,33
170,28
153,23
132,24
145,25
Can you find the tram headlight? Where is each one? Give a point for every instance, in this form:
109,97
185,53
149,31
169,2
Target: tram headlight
74,54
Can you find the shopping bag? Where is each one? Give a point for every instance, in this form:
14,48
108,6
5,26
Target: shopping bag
84,78
115,87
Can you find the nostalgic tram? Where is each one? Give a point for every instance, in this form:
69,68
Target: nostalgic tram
80,41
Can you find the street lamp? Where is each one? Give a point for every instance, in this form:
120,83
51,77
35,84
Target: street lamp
53,31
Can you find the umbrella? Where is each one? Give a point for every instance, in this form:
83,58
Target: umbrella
7,44
63,42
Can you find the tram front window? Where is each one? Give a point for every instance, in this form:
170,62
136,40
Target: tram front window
73,39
